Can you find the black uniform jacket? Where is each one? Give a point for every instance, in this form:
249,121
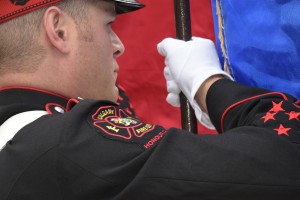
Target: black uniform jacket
99,150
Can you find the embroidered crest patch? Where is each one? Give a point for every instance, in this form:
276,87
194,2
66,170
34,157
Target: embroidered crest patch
116,124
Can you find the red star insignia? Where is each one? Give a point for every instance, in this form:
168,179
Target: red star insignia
293,115
276,107
282,130
268,117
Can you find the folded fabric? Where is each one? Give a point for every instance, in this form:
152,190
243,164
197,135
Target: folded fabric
258,42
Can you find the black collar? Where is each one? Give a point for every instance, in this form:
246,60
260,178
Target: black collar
14,100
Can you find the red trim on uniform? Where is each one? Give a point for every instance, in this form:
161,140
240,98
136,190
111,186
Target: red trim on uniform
128,111
122,88
297,103
120,98
49,105
34,89
131,106
71,103
10,10
245,100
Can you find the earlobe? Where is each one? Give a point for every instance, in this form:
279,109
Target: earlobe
56,29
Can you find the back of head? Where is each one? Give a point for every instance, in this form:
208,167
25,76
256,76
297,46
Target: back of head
20,48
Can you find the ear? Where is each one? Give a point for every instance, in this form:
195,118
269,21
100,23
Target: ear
56,27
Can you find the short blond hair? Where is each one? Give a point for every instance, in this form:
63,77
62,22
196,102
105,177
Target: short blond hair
19,36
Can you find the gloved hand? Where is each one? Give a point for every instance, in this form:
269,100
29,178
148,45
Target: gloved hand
188,65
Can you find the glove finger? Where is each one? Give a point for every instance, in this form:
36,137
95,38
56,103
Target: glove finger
160,49
168,74
167,45
172,87
173,99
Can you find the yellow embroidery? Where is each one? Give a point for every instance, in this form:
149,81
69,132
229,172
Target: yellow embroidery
113,128
145,128
106,112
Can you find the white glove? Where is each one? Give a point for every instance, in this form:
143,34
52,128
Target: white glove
172,88
188,65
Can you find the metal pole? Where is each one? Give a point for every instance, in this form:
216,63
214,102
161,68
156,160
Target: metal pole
183,32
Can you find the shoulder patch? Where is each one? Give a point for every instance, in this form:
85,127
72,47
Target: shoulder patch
115,123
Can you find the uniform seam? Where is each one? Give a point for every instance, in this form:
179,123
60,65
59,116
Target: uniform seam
90,172
218,182
21,174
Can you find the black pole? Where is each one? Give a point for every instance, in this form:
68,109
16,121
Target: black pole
183,32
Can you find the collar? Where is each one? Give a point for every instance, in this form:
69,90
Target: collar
14,100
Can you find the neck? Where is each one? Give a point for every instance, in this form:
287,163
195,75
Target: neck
42,77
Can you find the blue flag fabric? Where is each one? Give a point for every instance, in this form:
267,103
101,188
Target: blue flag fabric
258,42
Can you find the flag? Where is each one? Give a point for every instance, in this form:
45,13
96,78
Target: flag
259,42
141,67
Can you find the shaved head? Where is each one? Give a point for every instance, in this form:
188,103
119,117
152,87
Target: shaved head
19,37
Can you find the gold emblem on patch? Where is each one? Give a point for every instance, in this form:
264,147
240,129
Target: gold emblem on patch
124,121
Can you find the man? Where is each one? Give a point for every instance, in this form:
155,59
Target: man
65,147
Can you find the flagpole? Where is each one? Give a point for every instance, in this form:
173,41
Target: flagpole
183,32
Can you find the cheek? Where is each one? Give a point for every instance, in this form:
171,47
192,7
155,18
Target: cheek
103,52
101,60
103,74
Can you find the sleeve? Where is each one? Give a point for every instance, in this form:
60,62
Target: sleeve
250,160
231,105
128,159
